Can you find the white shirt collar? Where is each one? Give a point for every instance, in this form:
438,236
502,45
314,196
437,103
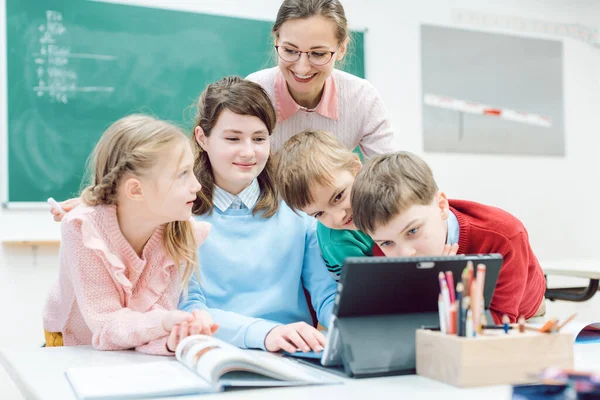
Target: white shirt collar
249,196
453,228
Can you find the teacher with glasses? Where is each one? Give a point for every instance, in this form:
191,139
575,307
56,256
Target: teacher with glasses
309,92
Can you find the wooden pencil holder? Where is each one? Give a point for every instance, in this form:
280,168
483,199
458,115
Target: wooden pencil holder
494,358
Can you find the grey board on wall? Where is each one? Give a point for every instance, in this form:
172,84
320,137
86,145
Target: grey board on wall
511,73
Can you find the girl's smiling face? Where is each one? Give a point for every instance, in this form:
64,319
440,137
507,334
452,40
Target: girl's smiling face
238,149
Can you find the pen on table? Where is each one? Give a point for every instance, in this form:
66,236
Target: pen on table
460,326
571,318
450,282
469,325
547,326
482,323
442,313
54,204
505,322
447,303
465,308
453,325
481,278
478,309
469,277
475,302
509,327
464,276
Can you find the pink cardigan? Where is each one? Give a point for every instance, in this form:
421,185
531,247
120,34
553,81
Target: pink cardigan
106,295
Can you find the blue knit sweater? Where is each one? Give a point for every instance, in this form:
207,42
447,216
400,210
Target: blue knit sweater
253,271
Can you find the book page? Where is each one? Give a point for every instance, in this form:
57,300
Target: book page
204,355
152,379
211,358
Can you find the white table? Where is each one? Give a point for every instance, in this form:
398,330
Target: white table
39,374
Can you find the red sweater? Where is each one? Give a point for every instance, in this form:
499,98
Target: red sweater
485,229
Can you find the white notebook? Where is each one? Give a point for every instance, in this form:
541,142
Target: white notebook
152,379
203,364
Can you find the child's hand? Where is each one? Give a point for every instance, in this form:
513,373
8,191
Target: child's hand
175,317
67,205
202,324
450,250
293,337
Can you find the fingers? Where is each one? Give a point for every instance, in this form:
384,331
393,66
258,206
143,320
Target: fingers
181,316
283,344
309,335
454,249
184,330
67,205
450,250
176,317
295,338
172,341
204,320
70,204
321,339
56,215
195,329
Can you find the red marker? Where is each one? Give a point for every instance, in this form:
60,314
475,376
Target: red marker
450,283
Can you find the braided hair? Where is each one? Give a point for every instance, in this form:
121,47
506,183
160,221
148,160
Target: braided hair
133,145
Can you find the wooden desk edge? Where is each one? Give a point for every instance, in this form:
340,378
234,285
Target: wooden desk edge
27,242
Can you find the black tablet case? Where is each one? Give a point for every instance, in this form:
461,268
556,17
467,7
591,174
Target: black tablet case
381,301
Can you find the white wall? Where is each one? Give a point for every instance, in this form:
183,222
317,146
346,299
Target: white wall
555,197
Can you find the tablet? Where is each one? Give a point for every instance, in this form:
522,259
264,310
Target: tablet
406,288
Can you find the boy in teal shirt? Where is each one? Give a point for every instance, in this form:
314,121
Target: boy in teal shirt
315,174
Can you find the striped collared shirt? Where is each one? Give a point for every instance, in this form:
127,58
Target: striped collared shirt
247,198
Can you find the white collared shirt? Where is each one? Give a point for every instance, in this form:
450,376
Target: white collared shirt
453,229
247,198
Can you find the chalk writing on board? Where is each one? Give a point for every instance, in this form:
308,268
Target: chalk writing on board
56,78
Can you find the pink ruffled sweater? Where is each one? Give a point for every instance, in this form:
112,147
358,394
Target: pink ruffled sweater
106,295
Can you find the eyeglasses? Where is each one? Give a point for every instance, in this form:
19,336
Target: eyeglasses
315,57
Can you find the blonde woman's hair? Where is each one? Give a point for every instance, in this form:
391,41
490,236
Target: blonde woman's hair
242,97
388,185
308,158
133,145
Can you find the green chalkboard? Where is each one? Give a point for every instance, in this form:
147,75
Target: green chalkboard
75,66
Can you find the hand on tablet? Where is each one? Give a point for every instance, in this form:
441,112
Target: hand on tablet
293,337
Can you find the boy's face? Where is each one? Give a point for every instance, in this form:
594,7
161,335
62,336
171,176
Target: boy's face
419,231
332,205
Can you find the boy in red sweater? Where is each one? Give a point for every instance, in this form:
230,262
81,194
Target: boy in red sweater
396,201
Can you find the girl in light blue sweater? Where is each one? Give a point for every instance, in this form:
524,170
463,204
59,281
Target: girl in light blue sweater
260,254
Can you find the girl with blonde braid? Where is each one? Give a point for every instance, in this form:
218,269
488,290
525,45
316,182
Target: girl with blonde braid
130,248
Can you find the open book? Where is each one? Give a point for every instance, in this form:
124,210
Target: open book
203,364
